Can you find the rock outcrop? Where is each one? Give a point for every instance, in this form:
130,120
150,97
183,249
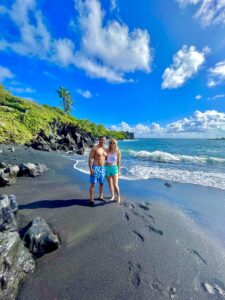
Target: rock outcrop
129,135
7,210
8,173
40,239
32,170
15,259
63,138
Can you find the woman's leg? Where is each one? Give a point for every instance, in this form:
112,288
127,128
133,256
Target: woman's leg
110,182
116,186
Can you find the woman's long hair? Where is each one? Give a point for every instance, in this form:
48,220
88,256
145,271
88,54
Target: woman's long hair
113,146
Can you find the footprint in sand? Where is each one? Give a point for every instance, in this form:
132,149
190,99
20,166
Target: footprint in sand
135,274
153,229
214,289
126,216
144,206
167,292
139,235
152,218
194,252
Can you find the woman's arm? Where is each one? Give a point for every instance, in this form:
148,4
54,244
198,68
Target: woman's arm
119,161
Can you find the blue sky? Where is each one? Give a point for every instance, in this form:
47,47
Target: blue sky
153,67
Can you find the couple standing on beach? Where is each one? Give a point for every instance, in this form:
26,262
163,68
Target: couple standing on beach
104,162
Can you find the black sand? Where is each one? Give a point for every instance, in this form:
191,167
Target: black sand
143,249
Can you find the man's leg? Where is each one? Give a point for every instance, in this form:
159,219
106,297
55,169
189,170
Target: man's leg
101,191
92,189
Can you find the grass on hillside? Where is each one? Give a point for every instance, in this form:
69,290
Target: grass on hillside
21,120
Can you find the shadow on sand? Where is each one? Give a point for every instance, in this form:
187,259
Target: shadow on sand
61,203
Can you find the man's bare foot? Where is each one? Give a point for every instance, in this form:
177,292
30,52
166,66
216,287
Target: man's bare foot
101,198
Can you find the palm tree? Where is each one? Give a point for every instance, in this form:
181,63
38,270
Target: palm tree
66,99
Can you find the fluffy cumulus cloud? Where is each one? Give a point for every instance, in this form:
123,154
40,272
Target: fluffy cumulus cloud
110,49
86,94
186,63
217,74
140,130
208,123
208,11
5,74
107,49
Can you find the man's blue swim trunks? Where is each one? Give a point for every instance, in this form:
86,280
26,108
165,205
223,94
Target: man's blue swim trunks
99,174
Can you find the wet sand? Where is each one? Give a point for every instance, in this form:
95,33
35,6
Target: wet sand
153,246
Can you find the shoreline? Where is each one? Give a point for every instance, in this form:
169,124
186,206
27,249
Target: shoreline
148,248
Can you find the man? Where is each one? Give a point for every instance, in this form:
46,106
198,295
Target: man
97,168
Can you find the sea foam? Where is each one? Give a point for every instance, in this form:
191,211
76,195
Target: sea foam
165,157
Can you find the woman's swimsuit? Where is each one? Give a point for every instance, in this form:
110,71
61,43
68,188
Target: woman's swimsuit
112,169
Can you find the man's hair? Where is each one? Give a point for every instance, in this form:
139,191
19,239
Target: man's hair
101,137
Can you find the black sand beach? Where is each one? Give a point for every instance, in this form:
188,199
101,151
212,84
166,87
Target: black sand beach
161,243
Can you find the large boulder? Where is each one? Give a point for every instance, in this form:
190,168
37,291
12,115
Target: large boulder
8,206
15,262
6,178
40,239
32,170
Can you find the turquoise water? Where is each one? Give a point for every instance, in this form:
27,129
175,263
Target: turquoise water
195,161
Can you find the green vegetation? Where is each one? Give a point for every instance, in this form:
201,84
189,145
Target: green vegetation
21,120
66,99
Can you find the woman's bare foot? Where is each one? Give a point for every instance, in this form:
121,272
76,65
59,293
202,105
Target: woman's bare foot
118,200
112,198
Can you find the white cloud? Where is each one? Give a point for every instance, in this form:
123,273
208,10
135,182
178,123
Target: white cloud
140,130
107,49
63,52
48,74
217,74
22,90
5,74
123,126
113,4
207,121
186,63
86,94
209,11
200,124
198,97
217,97
111,46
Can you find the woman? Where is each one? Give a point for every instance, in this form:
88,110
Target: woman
113,168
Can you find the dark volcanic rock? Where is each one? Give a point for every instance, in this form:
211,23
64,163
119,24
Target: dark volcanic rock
15,259
30,169
40,239
8,206
129,135
6,178
64,138
9,173
15,262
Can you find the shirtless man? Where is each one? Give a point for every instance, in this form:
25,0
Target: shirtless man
97,168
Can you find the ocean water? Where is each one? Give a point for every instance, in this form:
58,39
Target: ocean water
195,161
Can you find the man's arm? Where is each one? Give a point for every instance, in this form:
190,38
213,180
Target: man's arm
90,160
